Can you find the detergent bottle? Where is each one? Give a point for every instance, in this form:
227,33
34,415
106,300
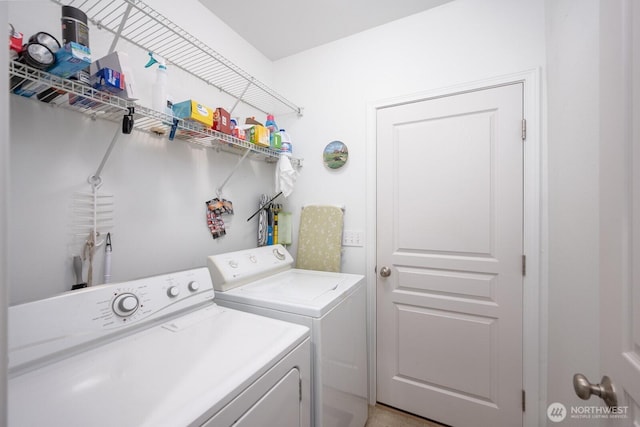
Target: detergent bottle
159,101
273,129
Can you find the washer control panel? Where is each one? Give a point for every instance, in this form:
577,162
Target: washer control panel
52,325
233,269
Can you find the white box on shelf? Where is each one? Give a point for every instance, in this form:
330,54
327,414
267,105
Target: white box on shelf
118,61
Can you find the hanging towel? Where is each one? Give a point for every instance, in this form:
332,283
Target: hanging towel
286,175
320,238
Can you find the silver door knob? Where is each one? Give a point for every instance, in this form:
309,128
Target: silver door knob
385,272
584,389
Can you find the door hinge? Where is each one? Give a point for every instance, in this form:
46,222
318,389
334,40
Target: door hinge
524,265
524,129
524,406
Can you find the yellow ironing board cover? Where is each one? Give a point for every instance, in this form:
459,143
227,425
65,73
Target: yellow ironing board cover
320,238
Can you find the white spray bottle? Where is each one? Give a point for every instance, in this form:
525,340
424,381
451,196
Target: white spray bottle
159,100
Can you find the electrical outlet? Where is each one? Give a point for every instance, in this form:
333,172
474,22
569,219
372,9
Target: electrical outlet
352,238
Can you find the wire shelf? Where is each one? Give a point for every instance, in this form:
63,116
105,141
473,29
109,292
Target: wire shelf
102,105
142,26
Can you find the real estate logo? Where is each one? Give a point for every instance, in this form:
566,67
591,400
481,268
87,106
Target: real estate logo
556,412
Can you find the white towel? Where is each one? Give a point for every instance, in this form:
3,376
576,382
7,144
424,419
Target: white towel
286,175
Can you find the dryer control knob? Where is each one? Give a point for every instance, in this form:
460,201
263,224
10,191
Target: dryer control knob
194,286
173,291
125,304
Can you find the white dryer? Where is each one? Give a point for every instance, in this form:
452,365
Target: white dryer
154,352
333,305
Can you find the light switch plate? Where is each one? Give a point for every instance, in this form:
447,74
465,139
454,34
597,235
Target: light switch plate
352,238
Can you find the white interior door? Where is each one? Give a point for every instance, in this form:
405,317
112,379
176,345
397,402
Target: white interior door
620,210
449,257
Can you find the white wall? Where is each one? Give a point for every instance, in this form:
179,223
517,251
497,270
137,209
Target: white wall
160,187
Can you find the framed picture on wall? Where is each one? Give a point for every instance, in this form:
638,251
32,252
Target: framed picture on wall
335,155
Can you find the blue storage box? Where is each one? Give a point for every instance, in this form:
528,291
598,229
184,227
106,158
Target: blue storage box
70,59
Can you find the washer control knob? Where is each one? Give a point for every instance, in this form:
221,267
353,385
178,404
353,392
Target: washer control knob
233,263
194,286
125,304
173,291
279,254
253,259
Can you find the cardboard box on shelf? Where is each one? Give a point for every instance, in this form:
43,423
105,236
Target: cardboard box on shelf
194,111
70,59
118,61
222,121
108,80
258,135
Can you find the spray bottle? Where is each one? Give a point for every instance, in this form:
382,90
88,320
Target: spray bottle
159,95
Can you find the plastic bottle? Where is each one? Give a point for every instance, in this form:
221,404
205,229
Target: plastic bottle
159,88
273,128
286,147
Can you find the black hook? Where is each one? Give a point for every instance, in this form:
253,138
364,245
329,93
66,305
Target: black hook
127,121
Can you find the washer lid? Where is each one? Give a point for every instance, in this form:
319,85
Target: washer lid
176,374
305,292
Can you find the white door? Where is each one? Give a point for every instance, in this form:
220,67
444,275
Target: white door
449,257
620,210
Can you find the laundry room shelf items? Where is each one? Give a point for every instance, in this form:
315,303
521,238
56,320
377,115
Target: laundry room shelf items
138,23
101,105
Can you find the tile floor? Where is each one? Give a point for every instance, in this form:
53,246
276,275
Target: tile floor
385,416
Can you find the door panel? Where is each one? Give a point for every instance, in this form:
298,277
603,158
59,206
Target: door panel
620,207
446,225
423,350
449,227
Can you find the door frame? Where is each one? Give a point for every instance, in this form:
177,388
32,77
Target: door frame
535,281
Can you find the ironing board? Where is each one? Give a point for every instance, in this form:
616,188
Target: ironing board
320,238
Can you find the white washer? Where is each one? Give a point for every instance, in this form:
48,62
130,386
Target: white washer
333,305
154,352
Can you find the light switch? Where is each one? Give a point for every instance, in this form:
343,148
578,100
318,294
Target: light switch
352,238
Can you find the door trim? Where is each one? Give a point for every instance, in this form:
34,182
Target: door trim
534,234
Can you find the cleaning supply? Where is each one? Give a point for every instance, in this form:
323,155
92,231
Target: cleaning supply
285,146
194,111
159,89
273,128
